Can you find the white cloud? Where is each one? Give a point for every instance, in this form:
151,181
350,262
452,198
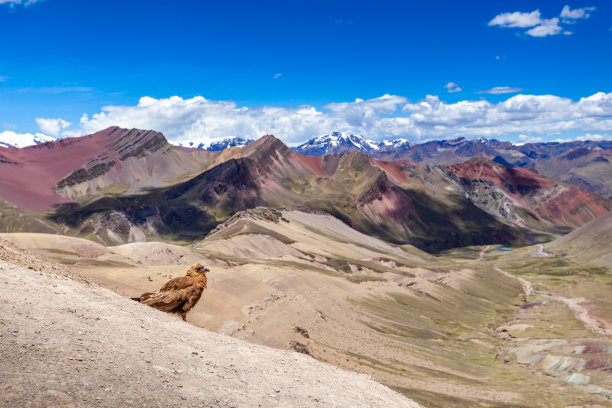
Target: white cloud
52,127
363,113
538,26
276,76
575,14
545,28
452,87
388,116
199,118
517,19
501,90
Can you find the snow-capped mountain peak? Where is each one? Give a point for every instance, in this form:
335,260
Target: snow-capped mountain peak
11,139
340,142
395,144
336,142
214,145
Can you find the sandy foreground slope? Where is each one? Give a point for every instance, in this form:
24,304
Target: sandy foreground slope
69,343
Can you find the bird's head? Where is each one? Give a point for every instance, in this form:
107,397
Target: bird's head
199,268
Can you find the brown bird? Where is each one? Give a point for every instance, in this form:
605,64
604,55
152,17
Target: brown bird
178,295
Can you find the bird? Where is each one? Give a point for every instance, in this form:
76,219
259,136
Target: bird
178,295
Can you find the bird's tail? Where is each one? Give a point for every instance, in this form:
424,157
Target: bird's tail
144,297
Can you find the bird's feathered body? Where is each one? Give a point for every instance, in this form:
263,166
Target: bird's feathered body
178,295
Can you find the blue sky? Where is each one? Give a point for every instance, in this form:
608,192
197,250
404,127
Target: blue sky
66,58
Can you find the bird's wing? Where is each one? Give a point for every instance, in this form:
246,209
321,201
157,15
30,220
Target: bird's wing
168,301
177,283
193,294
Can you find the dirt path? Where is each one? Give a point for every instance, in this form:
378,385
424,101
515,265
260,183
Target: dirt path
67,343
579,306
481,254
582,312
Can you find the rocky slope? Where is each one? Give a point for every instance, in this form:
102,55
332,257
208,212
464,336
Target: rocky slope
524,198
66,342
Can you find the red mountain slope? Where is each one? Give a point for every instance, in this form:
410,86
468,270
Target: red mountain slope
28,179
38,177
502,190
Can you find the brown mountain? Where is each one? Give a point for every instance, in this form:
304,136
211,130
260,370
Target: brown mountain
588,169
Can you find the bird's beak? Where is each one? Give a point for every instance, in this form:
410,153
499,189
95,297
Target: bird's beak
206,270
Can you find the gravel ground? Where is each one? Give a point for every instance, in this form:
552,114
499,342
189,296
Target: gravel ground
65,342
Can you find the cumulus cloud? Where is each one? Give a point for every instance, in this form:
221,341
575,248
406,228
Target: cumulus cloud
576,14
452,87
501,90
388,116
545,28
517,19
527,114
52,127
200,118
538,26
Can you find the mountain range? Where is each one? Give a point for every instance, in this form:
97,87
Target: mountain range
215,145
122,185
341,142
585,164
